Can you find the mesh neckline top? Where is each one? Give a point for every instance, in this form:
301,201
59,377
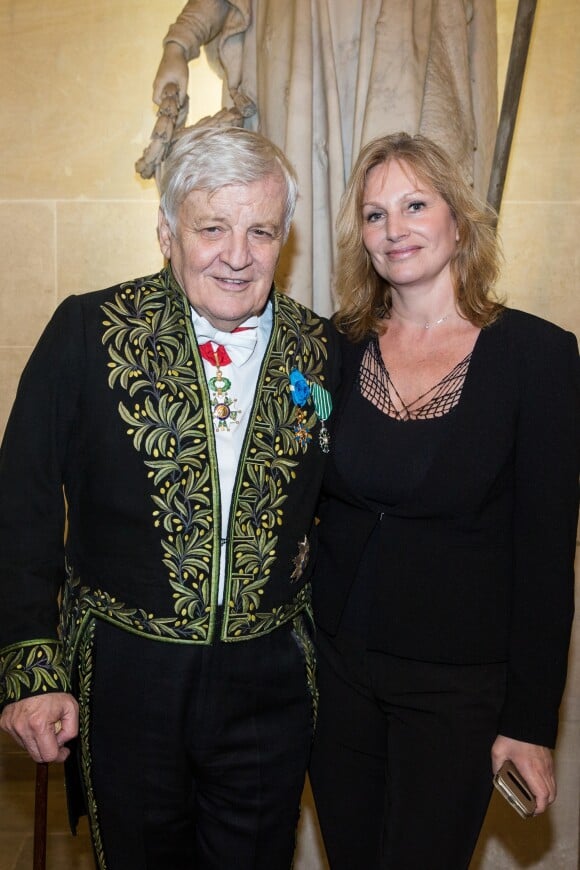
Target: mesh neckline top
376,385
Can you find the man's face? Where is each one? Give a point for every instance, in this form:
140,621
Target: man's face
226,247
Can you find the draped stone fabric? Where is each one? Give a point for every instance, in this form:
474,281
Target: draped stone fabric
323,77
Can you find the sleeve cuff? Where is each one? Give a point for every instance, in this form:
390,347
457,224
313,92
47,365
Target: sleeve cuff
524,722
31,668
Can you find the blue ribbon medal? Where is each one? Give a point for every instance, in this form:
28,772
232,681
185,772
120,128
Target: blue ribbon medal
301,392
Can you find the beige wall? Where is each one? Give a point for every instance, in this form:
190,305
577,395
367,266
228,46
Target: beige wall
75,83
539,224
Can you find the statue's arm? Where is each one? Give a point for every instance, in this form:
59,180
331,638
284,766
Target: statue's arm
199,22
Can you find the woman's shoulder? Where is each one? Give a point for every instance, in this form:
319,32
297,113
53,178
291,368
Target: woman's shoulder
349,344
524,324
351,351
538,349
532,336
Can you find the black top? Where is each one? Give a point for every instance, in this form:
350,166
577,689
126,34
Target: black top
381,458
475,537
384,460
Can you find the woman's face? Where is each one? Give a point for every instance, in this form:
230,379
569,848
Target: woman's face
408,229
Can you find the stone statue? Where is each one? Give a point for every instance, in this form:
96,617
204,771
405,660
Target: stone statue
321,78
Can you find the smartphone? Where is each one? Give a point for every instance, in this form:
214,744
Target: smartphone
512,786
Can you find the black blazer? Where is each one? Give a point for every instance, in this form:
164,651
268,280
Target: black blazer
477,565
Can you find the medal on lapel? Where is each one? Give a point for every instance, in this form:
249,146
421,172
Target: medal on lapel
323,406
300,392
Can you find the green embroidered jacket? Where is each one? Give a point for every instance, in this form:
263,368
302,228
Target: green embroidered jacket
111,437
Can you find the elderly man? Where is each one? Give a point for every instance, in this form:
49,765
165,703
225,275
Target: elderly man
178,423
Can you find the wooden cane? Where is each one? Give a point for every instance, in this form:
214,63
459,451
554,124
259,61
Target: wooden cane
40,811
40,808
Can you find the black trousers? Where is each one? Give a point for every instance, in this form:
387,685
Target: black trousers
194,757
401,767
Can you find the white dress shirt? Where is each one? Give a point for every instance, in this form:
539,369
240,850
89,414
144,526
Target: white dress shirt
229,441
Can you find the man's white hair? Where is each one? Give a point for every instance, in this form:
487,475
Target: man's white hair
208,158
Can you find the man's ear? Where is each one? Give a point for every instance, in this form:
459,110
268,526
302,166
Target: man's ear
164,235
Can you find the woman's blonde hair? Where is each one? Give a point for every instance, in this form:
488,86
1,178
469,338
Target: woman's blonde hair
364,296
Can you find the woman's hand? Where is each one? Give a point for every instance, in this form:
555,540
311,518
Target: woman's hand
535,764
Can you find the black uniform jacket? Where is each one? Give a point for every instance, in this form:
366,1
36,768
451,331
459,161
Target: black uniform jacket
476,565
112,430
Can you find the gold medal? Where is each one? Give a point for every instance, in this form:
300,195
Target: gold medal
221,411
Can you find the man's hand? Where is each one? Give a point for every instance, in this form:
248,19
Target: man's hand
43,724
173,70
535,765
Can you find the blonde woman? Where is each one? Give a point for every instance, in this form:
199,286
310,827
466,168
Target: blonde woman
444,581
